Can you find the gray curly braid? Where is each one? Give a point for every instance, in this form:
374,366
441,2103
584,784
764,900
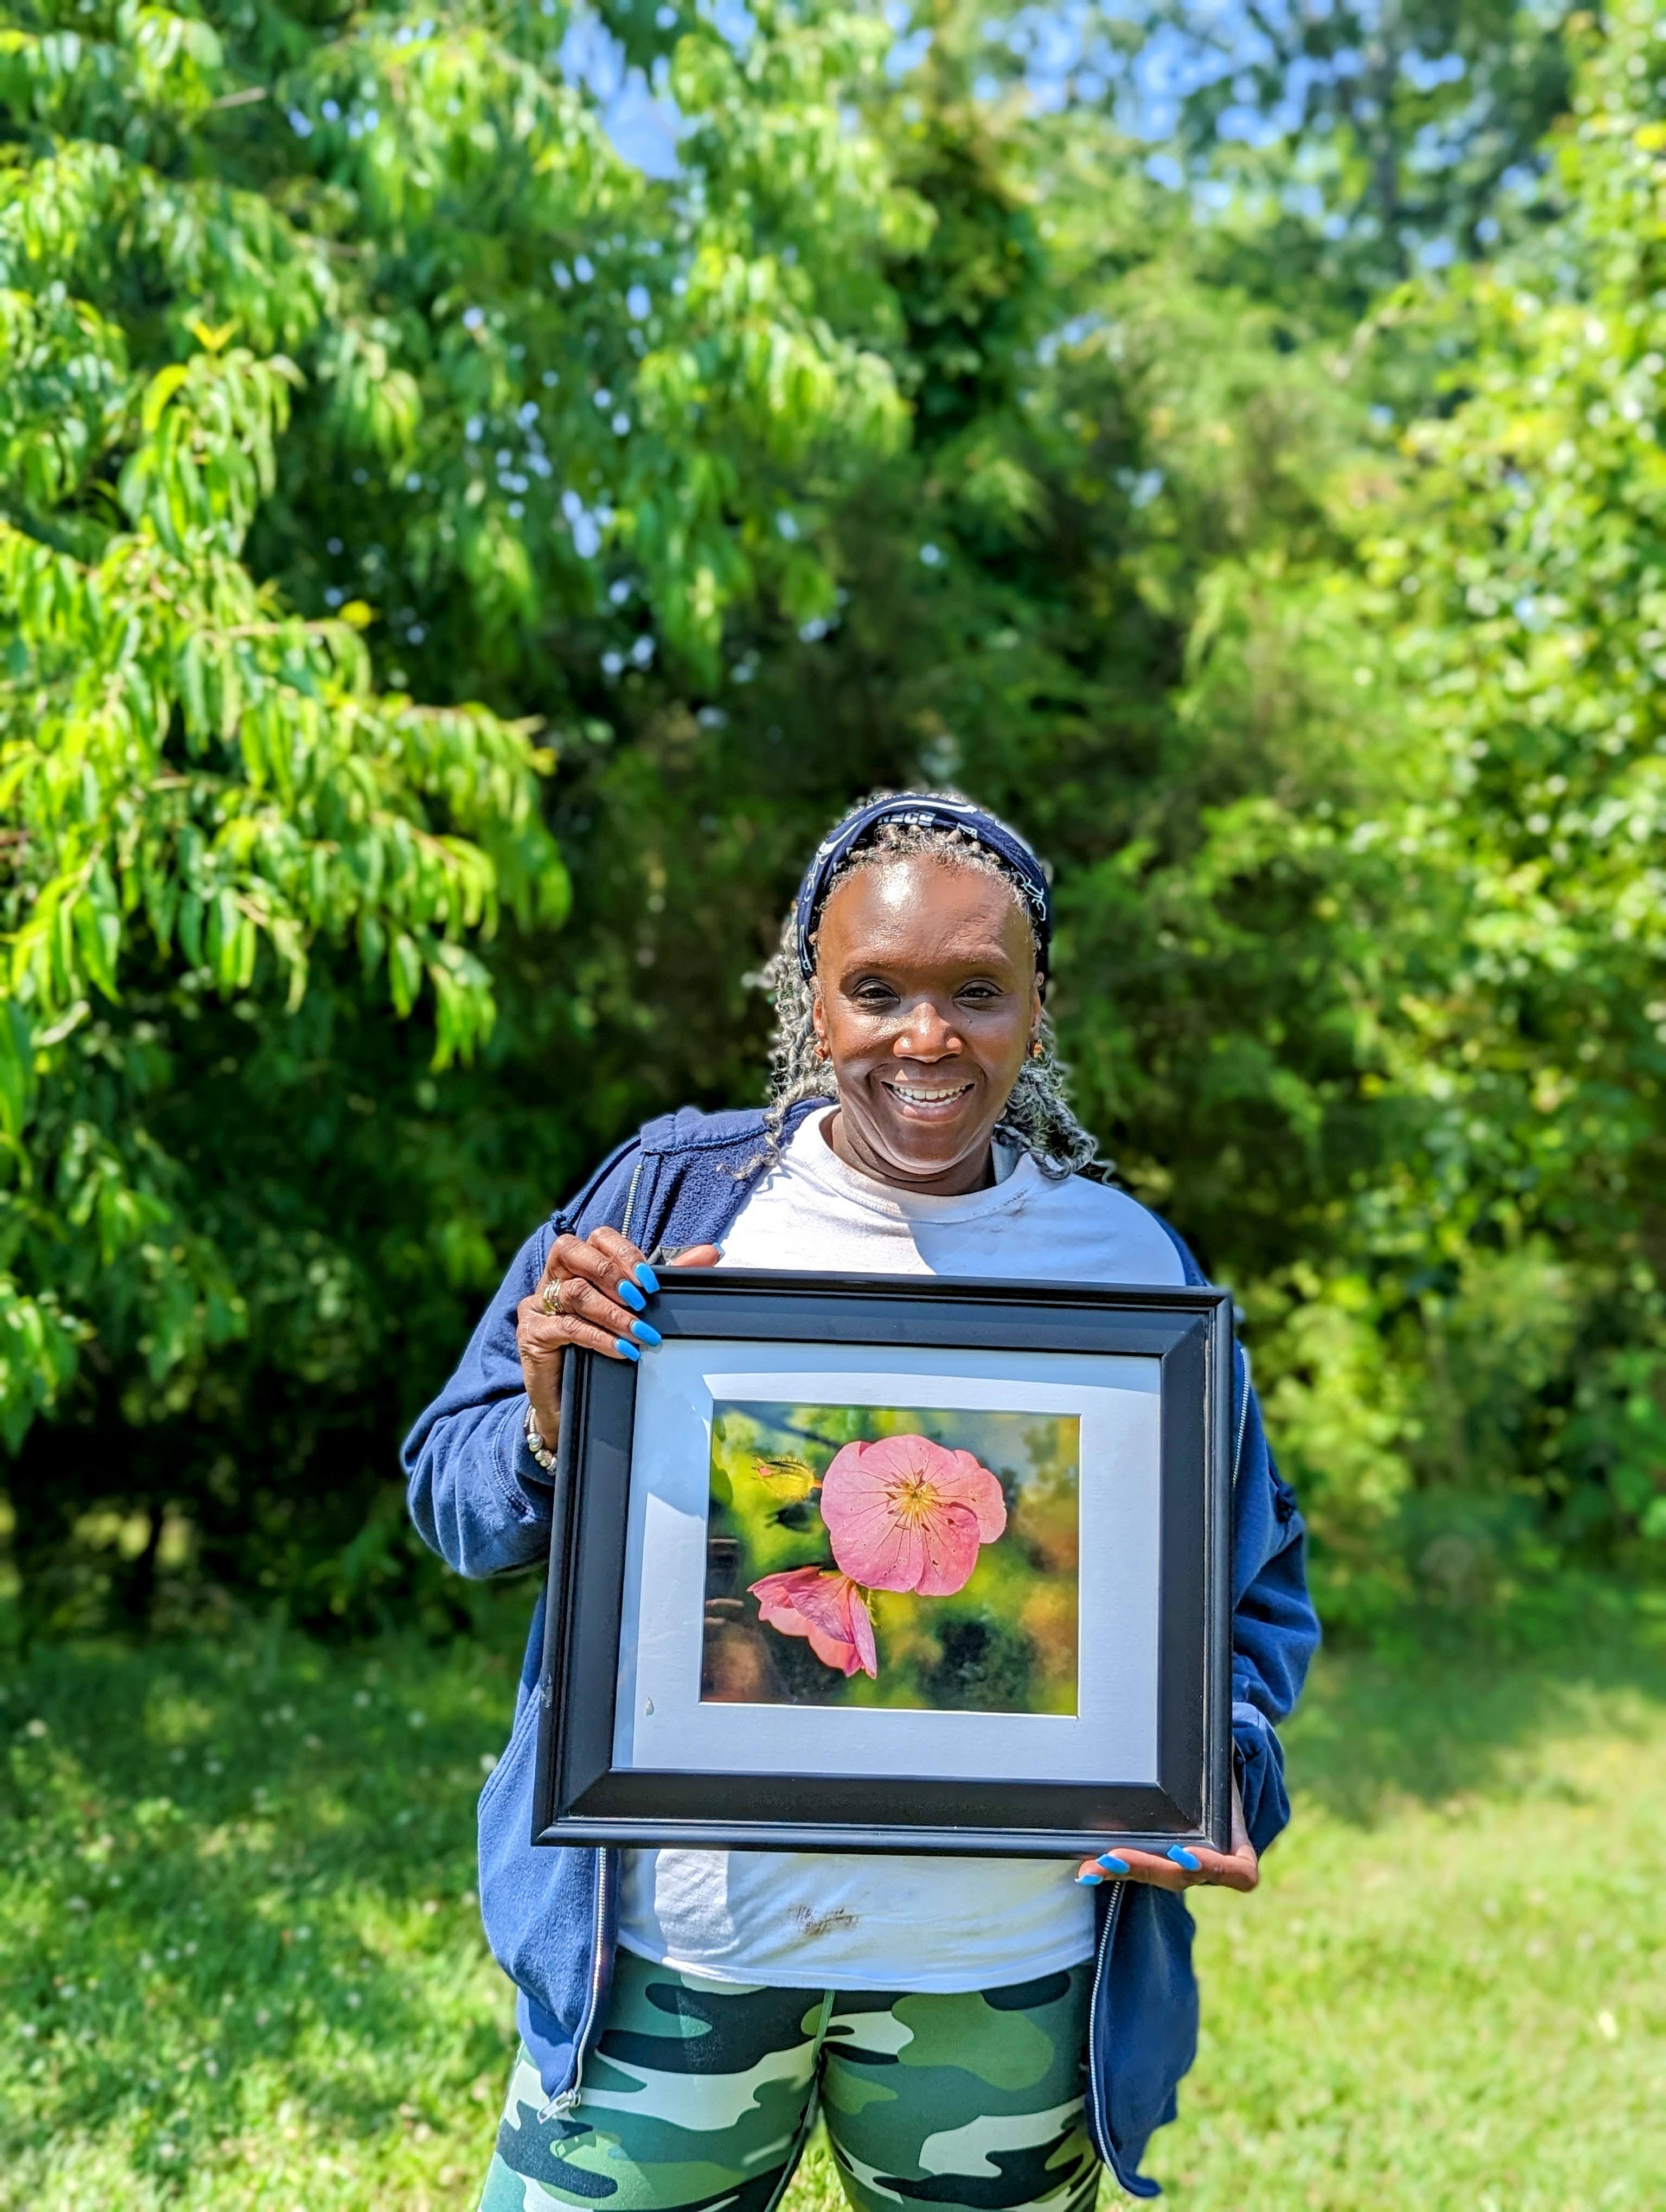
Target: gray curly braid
1036,1118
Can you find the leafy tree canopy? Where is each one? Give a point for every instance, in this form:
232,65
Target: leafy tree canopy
286,299
451,572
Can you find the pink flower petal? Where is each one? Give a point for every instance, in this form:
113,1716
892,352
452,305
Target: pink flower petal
861,1627
951,1548
776,1595
824,1603
841,1657
975,1487
877,1549
826,1609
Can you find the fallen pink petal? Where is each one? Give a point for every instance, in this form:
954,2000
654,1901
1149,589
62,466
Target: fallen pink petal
827,1609
906,1514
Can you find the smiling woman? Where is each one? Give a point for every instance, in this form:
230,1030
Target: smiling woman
926,1001
924,884
917,1126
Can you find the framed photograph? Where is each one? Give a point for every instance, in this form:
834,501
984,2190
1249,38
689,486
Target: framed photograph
871,1563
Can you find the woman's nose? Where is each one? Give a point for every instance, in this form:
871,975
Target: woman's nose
928,1033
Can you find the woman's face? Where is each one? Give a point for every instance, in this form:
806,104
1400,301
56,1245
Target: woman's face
926,1001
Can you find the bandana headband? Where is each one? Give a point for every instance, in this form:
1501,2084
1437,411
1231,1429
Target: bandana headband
918,810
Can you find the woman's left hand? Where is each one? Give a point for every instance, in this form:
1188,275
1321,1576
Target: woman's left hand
1182,1868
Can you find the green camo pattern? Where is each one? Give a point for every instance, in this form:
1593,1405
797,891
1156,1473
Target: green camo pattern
699,2094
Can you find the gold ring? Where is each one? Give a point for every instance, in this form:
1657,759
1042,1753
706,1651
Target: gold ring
552,1304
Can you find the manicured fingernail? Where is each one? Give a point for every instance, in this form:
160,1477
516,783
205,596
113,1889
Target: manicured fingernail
645,1333
632,1296
623,1343
1090,1880
1181,1857
646,1276
1111,1864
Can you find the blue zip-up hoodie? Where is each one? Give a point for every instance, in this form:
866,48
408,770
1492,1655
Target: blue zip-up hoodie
551,1915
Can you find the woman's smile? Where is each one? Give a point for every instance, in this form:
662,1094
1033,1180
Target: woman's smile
928,1102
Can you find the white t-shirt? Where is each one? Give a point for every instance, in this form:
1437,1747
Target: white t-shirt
823,1920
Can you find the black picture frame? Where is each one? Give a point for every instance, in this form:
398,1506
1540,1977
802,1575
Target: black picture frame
581,1799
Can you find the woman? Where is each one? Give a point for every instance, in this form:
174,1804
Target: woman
975,2030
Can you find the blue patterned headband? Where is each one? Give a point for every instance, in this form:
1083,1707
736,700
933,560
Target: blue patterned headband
923,812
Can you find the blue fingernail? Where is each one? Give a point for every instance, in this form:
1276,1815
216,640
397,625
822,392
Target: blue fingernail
632,1296
1111,1864
1181,1857
645,1333
646,1276
1090,1881
623,1343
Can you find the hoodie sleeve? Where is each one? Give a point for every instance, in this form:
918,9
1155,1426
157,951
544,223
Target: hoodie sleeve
476,1493
1275,1631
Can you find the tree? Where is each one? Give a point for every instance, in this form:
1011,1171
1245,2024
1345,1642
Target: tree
286,299
1520,584
1339,147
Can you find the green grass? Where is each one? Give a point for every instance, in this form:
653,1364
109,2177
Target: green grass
241,1964
1450,1990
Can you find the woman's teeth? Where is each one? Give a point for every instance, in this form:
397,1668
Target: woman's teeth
918,1094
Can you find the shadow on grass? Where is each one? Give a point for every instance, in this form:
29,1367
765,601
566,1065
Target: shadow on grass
1448,1706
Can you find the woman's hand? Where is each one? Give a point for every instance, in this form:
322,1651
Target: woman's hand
592,1292
1182,1868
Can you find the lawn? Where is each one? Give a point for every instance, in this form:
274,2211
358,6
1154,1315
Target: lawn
242,1965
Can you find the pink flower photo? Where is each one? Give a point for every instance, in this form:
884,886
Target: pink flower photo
918,1557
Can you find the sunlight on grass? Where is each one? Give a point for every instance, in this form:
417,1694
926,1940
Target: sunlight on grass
1450,1990
242,1967
240,1946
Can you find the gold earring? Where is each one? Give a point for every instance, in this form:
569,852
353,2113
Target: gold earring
1037,1048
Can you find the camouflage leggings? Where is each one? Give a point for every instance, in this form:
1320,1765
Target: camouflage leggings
699,2095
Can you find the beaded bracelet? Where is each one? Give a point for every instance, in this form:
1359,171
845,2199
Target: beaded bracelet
535,1444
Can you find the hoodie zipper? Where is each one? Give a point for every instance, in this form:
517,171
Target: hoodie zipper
570,2097
630,1199
1113,1915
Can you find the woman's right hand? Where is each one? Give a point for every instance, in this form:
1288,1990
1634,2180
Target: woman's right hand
591,1293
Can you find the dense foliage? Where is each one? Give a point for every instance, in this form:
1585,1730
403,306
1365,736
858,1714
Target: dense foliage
411,507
